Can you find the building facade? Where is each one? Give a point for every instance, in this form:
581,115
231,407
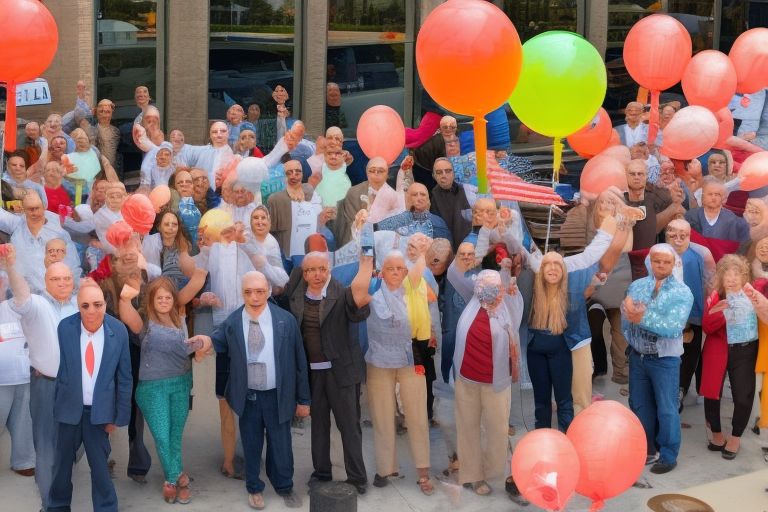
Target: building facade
199,56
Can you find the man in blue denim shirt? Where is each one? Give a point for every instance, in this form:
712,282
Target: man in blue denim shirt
655,311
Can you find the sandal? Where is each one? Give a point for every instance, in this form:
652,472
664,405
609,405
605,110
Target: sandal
481,488
425,485
169,492
183,494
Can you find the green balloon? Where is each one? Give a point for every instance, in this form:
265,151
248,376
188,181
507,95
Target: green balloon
561,86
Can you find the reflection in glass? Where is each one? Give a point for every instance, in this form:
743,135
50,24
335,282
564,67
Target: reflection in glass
532,17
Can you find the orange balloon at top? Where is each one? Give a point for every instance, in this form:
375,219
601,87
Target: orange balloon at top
28,39
656,51
477,39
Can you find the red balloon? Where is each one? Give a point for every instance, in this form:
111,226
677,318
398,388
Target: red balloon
594,137
600,173
479,39
709,80
754,171
656,51
749,54
611,445
615,139
725,127
545,468
119,233
160,196
618,152
139,212
380,132
690,133
28,39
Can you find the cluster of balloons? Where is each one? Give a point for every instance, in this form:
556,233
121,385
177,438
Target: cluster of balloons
29,38
600,457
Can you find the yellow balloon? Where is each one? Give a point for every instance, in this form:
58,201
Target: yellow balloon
214,222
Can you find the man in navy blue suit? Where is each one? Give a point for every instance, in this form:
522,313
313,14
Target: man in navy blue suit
93,397
268,385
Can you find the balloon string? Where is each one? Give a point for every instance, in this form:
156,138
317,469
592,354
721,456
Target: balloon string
557,158
597,505
10,117
481,146
653,121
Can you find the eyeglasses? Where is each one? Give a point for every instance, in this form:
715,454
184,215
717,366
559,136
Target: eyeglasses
677,236
312,270
257,291
200,178
395,269
293,171
440,172
377,170
56,251
333,153
87,305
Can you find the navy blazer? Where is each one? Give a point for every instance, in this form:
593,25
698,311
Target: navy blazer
112,391
291,376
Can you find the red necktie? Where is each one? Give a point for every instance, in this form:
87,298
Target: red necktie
90,357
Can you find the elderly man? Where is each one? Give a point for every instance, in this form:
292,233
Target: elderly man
334,116
427,154
17,177
640,152
283,212
107,134
93,397
324,309
449,201
40,316
29,234
723,227
656,310
374,195
634,130
418,219
268,385
695,277
660,205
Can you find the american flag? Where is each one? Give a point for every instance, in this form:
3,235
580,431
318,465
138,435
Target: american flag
506,186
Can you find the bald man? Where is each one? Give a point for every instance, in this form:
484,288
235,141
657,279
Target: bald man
418,218
268,385
40,317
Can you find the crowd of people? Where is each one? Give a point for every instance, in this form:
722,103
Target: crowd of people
321,294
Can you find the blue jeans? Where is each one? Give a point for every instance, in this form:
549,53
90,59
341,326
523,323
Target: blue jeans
260,418
653,388
14,415
44,431
551,368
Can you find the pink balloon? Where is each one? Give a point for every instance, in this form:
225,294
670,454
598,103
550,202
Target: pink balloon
725,127
690,133
754,171
119,233
656,51
602,172
709,80
618,152
749,54
380,132
139,213
545,468
160,196
611,445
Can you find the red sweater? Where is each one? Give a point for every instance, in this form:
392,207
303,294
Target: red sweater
56,197
477,364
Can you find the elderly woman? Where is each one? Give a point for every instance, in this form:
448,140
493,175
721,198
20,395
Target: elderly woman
235,117
157,167
265,249
398,329
107,134
245,144
53,128
487,353
85,158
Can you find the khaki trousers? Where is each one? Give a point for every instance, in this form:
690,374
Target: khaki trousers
581,384
618,346
381,402
478,406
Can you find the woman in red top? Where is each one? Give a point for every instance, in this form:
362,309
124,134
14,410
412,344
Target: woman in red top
53,176
487,353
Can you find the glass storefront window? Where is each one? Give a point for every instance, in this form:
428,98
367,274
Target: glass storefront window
532,17
367,48
251,53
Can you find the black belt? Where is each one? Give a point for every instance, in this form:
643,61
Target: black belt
741,344
37,373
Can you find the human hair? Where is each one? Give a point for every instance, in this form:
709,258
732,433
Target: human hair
19,154
726,263
316,254
180,241
679,224
442,159
550,301
148,307
440,247
711,181
393,254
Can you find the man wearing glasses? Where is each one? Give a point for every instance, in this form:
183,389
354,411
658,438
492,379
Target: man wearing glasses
268,385
449,201
40,317
93,397
281,208
437,146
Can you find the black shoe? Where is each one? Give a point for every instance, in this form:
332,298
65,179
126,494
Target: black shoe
680,397
662,467
315,481
514,493
380,481
291,500
715,447
650,459
728,454
360,487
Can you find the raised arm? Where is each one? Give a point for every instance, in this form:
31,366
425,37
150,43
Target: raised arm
362,281
416,273
128,314
16,281
195,284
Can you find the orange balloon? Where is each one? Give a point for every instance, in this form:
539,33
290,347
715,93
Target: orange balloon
754,171
479,39
160,196
380,132
28,40
611,445
656,51
615,139
749,54
618,152
690,133
725,127
600,173
545,468
709,80
594,137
